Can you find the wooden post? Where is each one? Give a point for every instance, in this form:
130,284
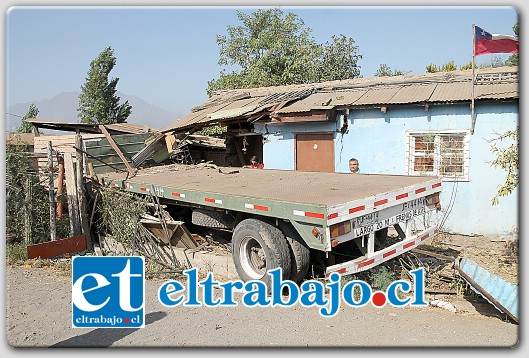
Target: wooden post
59,189
27,213
91,171
71,192
239,152
83,215
116,148
53,235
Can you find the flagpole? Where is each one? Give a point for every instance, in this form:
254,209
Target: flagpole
473,56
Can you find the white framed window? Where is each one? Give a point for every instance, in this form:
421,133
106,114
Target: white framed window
445,154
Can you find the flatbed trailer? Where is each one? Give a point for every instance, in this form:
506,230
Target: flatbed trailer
296,220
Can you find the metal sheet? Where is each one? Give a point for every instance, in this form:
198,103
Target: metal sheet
500,293
414,93
497,91
452,92
378,95
314,101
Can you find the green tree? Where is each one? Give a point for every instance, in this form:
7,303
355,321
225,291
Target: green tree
385,71
513,60
26,127
98,103
338,60
271,48
506,158
447,67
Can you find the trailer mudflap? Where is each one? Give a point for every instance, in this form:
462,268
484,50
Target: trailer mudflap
369,261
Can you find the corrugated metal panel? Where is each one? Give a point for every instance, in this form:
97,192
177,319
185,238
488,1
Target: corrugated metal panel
231,113
451,92
287,96
196,117
314,101
414,93
324,100
241,103
377,95
343,98
128,128
500,293
496,91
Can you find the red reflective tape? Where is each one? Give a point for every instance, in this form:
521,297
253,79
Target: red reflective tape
342,270
175,194
209,200
314,215
332,216
425,237
436,185
409,244
260,207
365,263
389,253
143,189
420,190
358,208
401,196
380,202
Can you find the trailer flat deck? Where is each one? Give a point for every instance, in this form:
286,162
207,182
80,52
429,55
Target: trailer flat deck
314,188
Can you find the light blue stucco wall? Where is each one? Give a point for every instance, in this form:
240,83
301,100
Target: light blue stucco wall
378,140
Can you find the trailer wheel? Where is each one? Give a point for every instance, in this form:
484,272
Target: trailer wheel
299,252
258,247
212,219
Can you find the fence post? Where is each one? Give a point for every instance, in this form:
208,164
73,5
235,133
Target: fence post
53,234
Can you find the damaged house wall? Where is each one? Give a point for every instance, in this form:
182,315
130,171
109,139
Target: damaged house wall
381,143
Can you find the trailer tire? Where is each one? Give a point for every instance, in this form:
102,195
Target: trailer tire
258,247
212,219
299,253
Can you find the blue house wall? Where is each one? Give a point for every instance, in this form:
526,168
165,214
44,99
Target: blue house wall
378,140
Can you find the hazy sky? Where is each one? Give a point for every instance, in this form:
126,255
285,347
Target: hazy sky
166,55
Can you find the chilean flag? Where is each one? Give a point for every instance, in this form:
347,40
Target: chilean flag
485,43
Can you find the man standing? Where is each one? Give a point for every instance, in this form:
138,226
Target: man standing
353,165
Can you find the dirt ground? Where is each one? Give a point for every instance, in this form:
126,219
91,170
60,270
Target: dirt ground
38,313
499,257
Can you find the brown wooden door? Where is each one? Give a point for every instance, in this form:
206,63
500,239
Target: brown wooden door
315,152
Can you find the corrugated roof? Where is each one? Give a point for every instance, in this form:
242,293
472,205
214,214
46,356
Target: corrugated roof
497,91
377,95
414,93
448,92
123,128
442,87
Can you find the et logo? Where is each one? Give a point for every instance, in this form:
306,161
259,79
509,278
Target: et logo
108,292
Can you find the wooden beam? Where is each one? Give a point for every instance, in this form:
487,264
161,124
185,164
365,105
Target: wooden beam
239,152
59,189
53,232
116,148
83,214
71,192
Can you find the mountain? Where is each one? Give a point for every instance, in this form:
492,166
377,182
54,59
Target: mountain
63,108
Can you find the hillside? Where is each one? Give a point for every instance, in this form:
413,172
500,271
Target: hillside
63,107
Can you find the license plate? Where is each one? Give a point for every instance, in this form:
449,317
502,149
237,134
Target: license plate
370,225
